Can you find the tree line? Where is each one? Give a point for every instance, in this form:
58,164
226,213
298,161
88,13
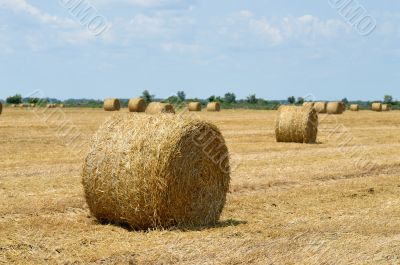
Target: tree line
229,100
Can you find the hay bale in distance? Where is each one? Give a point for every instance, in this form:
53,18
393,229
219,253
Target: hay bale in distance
194,106
377,106
354,107
335,107
157,172
296,124
1,108
13,105
386,107
112,104
214,106
320,107
159,108
308,104
137,105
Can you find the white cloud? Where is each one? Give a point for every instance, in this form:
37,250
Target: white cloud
244,26
181,47
139,3
43,17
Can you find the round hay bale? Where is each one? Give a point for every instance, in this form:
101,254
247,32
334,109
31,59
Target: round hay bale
296,124
13,105
157,172
158,107
386,107
33,105
137,105
335,108
308,104
320,107
50,106
61,106
377,106
194,106
21,105
214,106
112,104
1,107
354,107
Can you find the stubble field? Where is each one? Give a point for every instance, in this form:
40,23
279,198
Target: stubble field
335,202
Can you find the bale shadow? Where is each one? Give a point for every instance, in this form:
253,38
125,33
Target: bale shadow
221,224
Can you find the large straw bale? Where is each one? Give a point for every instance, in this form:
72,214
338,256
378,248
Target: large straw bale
194,106
337,107
386,107
214,106
158,107
320,107
156,172
112,104
308,104
137,105
354,107
377,106
296,124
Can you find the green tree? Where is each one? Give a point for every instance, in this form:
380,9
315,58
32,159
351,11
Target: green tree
230,98
33,100
147,96
181,96
211,98
388,99
345,101
300,100
291,100
16,99
252,99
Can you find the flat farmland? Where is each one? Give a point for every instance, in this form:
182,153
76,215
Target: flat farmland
334,202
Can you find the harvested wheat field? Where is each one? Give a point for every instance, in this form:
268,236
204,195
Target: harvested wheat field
333,202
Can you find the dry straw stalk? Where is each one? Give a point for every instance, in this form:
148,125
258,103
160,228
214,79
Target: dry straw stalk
158,107
320,107
296,124
194,106
112,104
335,108
157,172
214,106
377,106
137,105
354,107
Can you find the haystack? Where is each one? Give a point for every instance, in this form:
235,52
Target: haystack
386,107
296,124
137,105
158,107
214,106
320,107
157,172
354,107
194,106
112,104
377,106
335,108
308,104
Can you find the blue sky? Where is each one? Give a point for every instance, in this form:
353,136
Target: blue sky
274,49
